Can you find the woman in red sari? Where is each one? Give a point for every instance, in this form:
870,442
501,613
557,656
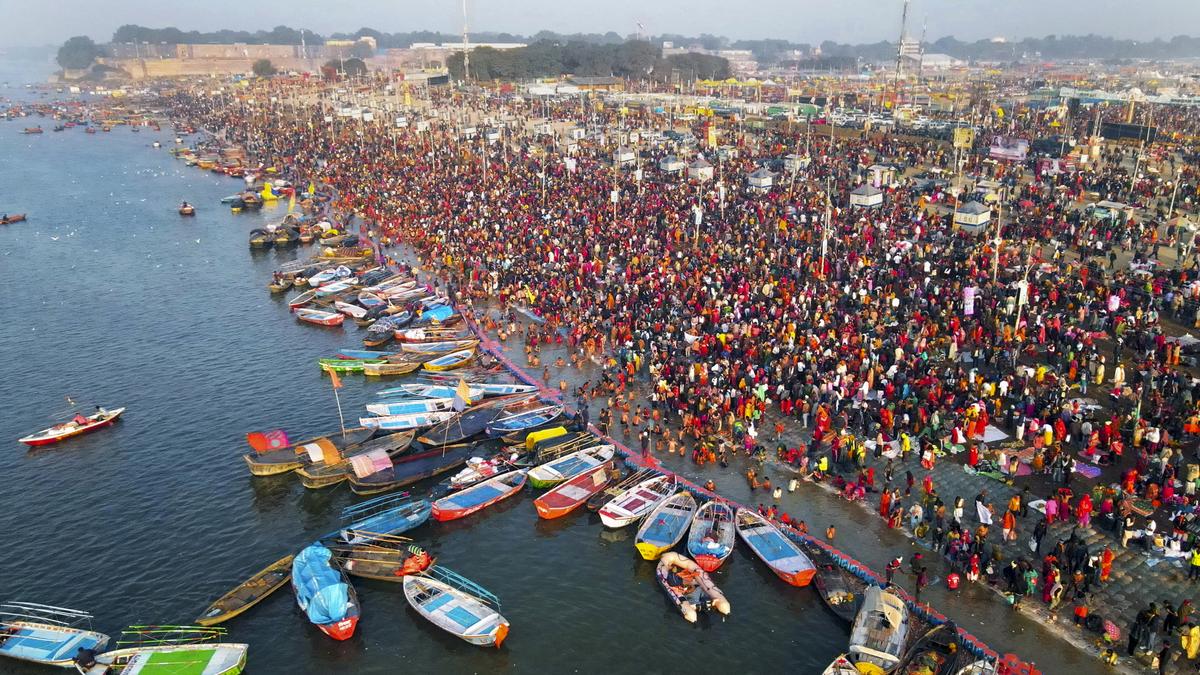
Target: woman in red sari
1106,563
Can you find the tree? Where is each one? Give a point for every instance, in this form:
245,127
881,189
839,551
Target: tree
361,50
78,52
264,68
354,67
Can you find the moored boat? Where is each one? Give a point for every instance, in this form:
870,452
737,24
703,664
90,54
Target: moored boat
386,558
555,471
457,605
412,467
413,389
406,407
171,659
76,426
689,587
637,501
665,525
468,424
782,555
303,298
479,496
527,416
343,365
376,452
841,666
14,218
880,631
834,585
570,495
319,317
451,361
47,635
417,420
388,515
323,593
248,593
272,459
712,535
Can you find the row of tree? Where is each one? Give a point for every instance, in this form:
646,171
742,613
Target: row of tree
635,59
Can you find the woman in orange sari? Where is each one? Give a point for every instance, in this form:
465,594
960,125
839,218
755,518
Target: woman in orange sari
1106,563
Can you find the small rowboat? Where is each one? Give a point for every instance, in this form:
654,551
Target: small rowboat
316,475
841,666
572,494
319,317
568,466
614,490
188,210
451,361
329,275
437,347
496,389
389,515
369,300
478,497
406,407
385,559
344,365
373,369
292,457
834,585
513,421
712,536
364,354
324,594
349,309
781,554
303,299
406,421
61,432
45,634
459,428
333,288
248,593
479,469
474,392
428,335
410,468
15,218
637,501
279,286
665,525
457,605
689,587
226,658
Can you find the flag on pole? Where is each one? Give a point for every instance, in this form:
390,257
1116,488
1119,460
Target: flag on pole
333,377
265,441
463,391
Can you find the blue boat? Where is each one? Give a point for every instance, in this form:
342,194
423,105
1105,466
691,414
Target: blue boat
323,593
408,407
364,354
439,313
508,423
389,515
410,468
665,525
451,360
45,634
407,421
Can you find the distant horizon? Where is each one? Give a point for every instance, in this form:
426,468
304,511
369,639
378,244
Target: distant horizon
34,24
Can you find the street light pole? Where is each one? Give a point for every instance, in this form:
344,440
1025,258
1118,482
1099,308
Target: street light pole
996,243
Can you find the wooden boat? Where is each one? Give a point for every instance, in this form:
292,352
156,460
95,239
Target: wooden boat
637,501
323,592
417,390
712,535
880,631
781,554
248,593
292,457
478,497
349,309
431,335
334,288
44,634
389,515
417,420
934,653
316,475
171,659
380,369
572,494
406,407
279,286
319,317
665,525
303,299
479,469
457,605
979,667
841,666
75,427
364,354
343,365
385,559
501,389
188,210
689,587
451,361
14,218
552,473
615,489
460,427
437,348
260,238
835,587
412,467
526,416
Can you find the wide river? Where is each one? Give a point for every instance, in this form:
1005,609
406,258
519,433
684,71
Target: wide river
111,298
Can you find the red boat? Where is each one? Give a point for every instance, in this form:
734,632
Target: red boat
572,494
478,497
15,218
76,427
318,317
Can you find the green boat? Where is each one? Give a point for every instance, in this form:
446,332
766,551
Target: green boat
198,659
346,365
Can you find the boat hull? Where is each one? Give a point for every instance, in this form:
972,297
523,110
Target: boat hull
38,440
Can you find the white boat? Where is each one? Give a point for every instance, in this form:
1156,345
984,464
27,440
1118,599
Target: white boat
334,287
437,347
350,309
841,666
491,389
880,631
457,605
407,421
637,501
406,407
665,525
474,391
558,470
193,659
45,634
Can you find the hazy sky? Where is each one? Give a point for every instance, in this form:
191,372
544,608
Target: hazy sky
51,21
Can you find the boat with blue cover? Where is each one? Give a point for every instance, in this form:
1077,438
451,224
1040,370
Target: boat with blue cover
406,407
405,421
45,634
323,592
665,525
528,416
568,466
417,390
388,515
457,605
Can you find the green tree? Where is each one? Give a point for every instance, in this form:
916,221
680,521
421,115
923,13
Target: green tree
361,50
263,68
354,67
78,52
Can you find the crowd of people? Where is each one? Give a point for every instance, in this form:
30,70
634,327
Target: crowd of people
726,318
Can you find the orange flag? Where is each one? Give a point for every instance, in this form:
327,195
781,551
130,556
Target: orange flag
333,376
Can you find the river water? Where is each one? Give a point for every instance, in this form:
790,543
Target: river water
111,298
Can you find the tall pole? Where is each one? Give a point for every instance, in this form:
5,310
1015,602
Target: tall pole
466,45
996,243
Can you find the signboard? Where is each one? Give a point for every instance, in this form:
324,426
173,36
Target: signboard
969,301
1011,149
964,137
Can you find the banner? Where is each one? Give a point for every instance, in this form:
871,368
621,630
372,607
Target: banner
964,137
1012,149
969,301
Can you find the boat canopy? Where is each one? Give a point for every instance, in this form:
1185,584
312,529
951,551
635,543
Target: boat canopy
326,594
